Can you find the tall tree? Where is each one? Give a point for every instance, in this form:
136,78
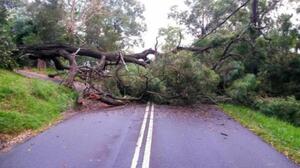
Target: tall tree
118,26
78,13
202,16
47,17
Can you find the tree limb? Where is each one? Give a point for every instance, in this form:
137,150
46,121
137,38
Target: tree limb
224,21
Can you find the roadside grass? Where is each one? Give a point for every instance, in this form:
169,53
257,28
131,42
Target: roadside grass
281,135
29,104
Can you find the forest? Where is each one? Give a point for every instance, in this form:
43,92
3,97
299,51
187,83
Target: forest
243,51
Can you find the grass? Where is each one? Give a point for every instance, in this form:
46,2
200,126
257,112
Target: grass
281,135
29,104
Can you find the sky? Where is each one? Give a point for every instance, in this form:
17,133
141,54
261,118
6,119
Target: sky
156,16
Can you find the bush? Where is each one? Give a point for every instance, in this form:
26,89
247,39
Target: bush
6,47
287,109
282,78
231,72
186,80
134,80
243,90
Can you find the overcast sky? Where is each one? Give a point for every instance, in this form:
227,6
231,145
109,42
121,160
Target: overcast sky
156,16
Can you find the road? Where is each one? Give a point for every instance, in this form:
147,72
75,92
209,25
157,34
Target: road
155,136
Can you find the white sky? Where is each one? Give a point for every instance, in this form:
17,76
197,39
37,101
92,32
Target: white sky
156,15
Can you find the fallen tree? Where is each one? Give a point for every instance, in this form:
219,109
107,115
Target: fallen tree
91,75
88,74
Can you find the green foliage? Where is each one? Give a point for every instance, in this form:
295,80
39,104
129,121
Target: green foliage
186,79
281,76
6,59
119,26
30,104
138,82
201,16
46,17
171,37
282,135
243,90
135,80
170,79
107,25
260,56
287,109
231,72
26,32
183,78
6,45
156,87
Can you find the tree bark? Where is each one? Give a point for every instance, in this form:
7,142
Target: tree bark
41,64
69,82
90,75
52,51
254,15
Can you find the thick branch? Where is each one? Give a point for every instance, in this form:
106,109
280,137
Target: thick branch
193,49
225,20
50,51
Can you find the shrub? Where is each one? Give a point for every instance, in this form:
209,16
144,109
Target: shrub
6,47
287,109
231,72
243,90
6,43
134,80
282,78
186,80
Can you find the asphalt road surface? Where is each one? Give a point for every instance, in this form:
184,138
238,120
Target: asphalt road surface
142,136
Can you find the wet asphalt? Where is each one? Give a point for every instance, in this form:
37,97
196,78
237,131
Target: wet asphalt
199,137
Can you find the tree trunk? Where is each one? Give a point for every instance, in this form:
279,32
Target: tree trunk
89,75
254,15
41,64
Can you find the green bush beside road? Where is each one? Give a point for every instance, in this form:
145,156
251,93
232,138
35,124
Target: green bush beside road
287,109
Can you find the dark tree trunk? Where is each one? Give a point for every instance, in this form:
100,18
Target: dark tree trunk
52,51
254,15
41,64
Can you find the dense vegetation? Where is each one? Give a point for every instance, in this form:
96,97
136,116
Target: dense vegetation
29,103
